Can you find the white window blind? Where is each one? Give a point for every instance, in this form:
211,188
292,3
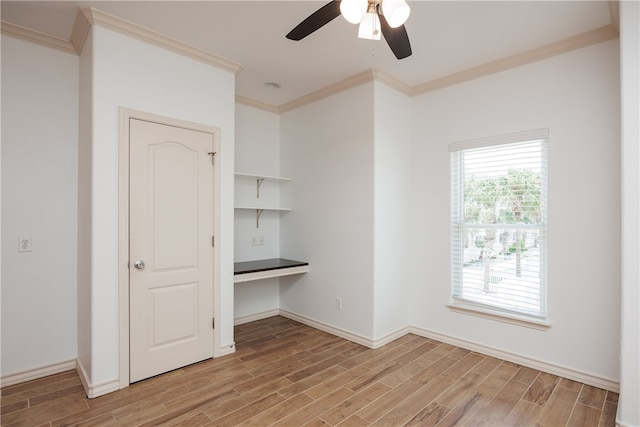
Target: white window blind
499,215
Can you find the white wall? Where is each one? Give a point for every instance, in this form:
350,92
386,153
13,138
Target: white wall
327,150
39,200
129,73
628,405
576,96
85,113
392,142
257,152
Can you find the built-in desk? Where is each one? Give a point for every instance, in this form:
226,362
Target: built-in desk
267,268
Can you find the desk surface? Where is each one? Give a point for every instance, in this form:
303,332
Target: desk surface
265,265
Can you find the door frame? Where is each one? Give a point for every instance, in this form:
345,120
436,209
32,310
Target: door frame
125,115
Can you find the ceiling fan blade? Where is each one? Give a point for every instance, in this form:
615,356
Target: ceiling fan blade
317,19
397,38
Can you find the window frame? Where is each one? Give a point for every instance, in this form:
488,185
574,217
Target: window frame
486,310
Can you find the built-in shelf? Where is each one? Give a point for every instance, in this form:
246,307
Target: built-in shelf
263,177
267,268
259,180
260,210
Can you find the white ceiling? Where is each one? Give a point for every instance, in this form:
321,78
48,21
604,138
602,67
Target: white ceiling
446,36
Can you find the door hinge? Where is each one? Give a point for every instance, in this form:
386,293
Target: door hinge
213,323
213,241
213,157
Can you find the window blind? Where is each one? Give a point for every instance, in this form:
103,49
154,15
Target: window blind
499,211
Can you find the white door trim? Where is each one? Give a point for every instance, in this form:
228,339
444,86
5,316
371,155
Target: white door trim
125,115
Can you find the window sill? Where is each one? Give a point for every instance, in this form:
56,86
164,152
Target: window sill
499,316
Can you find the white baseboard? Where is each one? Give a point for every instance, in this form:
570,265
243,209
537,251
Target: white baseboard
257,316
226,350
379,342
623,424
358,339
34,374
91,390
96,390
562,371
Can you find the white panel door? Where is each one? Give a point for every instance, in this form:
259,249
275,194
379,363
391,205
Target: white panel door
170,248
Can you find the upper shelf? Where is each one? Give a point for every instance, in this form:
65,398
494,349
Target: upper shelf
260,208
261,177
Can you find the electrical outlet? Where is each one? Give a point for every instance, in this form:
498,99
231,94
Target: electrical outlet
338,303
24,244
260,240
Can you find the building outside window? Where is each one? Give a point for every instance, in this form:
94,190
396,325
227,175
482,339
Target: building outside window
499,217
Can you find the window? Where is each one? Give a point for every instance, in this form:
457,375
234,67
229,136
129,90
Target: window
499,216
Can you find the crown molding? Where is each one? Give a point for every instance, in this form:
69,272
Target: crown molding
599,35
257,104
579,41
348,83
392,82
33,36
81,29
94,16
614,12
87,17
368,76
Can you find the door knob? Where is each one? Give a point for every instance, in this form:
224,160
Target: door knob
139,264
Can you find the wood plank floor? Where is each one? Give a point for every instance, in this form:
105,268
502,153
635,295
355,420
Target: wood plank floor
288,374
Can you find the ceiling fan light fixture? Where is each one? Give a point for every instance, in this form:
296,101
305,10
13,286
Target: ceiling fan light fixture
374,22
369,27
396,12
353,10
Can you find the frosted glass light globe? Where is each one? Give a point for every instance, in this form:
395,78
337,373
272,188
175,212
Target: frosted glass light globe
396,12
353,10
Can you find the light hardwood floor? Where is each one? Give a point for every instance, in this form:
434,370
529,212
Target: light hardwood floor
288,374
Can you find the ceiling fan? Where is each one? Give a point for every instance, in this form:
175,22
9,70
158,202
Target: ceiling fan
374,16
